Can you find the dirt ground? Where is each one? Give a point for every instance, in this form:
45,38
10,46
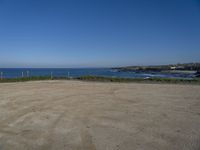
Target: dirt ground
75,115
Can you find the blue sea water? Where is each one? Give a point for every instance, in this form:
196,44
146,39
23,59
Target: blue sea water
74,72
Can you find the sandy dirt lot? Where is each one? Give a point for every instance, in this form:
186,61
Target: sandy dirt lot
74,115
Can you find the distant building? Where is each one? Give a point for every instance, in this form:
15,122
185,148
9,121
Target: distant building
172,68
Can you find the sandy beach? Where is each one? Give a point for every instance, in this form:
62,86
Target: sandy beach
75,115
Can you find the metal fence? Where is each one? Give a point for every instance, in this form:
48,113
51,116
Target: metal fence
27,74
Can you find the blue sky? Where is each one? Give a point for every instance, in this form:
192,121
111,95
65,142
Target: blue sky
98,33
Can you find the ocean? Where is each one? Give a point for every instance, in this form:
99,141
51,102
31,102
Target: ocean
75,72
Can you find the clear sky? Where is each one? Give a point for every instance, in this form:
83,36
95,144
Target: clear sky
98,33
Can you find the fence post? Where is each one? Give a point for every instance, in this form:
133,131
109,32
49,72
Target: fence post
27,73
1,75
51,75
68,75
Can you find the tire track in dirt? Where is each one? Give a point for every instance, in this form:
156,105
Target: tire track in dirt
86,139
85,136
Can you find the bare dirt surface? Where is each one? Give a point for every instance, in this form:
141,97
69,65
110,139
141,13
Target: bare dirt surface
74,115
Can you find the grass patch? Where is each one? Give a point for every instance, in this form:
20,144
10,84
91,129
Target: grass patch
35,78
25,79
106,79
149,80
